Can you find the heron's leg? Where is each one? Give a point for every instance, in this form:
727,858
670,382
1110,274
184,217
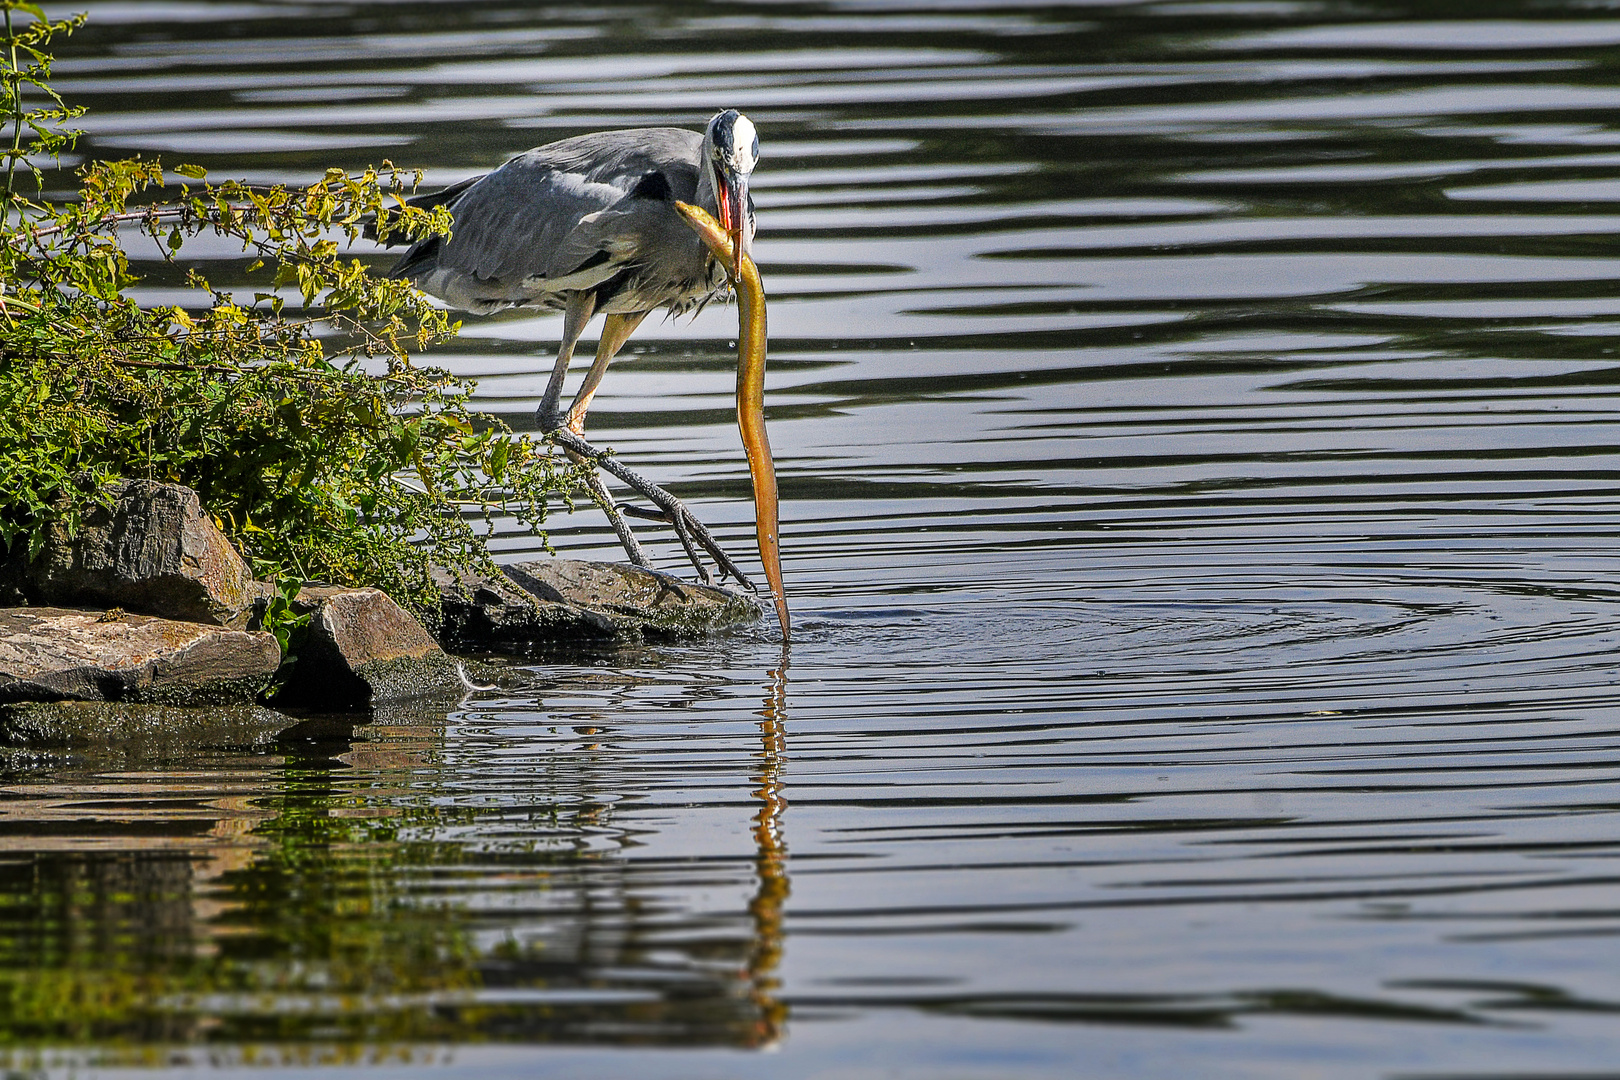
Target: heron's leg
616,330
604,499
581,306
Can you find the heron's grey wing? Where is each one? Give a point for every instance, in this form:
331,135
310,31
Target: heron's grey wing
529,217
507,226
624,157
633,230
567,215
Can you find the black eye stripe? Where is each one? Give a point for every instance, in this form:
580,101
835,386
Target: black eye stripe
726,147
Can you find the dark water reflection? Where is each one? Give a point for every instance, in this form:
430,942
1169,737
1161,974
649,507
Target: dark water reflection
1201,469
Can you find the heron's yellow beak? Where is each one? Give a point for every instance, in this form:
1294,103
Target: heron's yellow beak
750,389
731,200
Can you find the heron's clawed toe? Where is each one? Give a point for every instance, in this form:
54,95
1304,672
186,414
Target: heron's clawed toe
688,528
627,539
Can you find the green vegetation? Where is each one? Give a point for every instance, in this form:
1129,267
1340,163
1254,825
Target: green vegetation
320,448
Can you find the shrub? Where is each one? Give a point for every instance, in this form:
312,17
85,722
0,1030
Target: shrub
321,449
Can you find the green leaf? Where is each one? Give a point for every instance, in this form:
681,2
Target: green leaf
191,172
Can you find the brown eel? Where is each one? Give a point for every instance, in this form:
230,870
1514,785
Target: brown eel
750,392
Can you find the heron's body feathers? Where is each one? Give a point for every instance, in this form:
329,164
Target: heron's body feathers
593,212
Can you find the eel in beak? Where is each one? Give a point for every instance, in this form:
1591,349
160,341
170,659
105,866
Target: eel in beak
750,390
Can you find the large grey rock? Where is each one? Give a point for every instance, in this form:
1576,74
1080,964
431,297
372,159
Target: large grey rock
100,725
362,649
639,602
479,612
154,552
54,654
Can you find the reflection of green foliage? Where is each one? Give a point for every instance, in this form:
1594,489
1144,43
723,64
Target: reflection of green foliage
69,973
84,958
328,898
310,435
348,930
78,1004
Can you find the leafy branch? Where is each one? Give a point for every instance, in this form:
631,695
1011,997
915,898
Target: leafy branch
307,429
25,62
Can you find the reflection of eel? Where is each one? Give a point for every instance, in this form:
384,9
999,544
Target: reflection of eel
750,393
770,861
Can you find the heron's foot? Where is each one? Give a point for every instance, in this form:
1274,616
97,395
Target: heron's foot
621,528
682,522
547,422
688,528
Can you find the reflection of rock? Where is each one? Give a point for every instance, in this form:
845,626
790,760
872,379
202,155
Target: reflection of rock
362,649
215,877
155,552
51,654
140,859
489,613
138,729
639,602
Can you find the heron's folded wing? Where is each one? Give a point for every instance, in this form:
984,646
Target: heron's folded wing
643,231
508,227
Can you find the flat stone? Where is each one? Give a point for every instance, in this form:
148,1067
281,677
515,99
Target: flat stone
56,654
638,601
362,649
484,613
154,552
100,725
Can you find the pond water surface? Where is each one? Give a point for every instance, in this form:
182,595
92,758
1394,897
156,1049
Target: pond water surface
1200,451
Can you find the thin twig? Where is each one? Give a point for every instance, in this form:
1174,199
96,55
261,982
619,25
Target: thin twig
149,213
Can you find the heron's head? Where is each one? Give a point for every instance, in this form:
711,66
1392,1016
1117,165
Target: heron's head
730,151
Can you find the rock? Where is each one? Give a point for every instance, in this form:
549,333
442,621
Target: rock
362,649
54,654
638,601
478,612
154,552
100,725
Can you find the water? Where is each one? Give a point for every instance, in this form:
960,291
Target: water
1201,473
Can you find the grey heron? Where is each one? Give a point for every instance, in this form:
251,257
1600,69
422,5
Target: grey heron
589,225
